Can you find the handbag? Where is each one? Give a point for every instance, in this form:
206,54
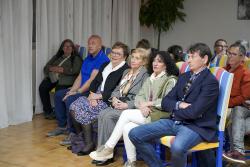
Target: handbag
156,113
52,76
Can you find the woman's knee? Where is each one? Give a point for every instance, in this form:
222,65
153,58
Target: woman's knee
128,127
127,113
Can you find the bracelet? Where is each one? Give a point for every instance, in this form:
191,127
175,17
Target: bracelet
77,92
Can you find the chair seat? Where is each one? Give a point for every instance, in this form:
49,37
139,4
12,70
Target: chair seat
167,141
54,90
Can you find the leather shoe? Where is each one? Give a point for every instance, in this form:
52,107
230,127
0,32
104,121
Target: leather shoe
104,163
94,161
82,153
69,148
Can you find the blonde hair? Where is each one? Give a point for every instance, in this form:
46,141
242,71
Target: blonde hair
144,54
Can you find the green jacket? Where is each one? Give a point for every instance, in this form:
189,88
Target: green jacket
70,72
144,93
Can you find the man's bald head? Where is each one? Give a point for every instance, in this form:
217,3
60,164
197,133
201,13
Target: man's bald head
94,45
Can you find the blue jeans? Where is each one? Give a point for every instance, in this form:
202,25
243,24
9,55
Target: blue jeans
62,108
185,139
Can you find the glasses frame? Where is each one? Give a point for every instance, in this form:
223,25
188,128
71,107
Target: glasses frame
232,54
116,54
222,46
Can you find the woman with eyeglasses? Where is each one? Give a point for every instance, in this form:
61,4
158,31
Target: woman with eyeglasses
163,78
85,110
123,97
60,72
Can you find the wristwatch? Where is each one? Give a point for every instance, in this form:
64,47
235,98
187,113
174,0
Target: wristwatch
77,92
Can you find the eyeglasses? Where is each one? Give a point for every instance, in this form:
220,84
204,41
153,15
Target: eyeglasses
115,54
188,85
221,46
232,54
67,46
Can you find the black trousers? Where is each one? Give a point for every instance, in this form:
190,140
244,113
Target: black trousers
45,87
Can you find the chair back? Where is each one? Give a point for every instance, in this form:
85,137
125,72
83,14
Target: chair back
81,50
185,58
222,61
225,80
107,50
183,67
248,53
247,64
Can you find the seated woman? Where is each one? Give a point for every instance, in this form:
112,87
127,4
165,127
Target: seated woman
163,75
129,87
176,52
65,66
85,110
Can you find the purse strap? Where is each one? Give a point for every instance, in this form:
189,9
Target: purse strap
161,90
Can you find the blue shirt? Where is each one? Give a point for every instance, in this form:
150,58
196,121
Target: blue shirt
90,63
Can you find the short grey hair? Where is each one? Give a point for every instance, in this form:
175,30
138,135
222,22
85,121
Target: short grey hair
243,42
96,36
241,48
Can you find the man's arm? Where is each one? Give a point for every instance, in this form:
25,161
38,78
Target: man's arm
86,85
208,94
169,101
245,93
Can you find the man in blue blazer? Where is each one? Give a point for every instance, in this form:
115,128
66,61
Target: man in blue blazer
193,104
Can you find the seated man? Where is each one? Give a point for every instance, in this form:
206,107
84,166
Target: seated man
193,103
241,81
220,47
244,43
239,93
64,98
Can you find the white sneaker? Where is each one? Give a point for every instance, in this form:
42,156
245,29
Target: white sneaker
102,153
130,164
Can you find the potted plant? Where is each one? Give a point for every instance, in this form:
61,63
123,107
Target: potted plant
161,14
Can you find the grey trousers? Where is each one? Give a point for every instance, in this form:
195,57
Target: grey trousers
238,129
107,120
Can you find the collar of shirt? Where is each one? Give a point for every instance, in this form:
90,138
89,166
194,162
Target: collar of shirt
197,74
98,55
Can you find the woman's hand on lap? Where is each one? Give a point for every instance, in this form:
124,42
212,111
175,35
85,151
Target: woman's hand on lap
121,106
145,111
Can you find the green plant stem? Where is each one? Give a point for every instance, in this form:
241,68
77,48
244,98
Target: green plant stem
159,38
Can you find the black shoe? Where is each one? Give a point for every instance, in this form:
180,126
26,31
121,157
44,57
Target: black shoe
95,161
69,148
104,163
52,116
46,115
82,153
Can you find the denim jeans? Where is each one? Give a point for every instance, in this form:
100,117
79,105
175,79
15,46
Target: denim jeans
62,108
185,139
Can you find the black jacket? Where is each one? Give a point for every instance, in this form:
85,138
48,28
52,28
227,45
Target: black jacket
112,81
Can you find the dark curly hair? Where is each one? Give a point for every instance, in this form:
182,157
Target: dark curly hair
171,68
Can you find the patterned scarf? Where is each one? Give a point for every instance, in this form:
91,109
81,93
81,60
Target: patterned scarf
127,81
152,78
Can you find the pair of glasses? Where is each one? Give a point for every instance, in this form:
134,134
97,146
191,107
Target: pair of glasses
67,46
188,85
222,46
232,54
115,54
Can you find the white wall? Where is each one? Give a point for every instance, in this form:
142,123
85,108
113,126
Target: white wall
207,21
